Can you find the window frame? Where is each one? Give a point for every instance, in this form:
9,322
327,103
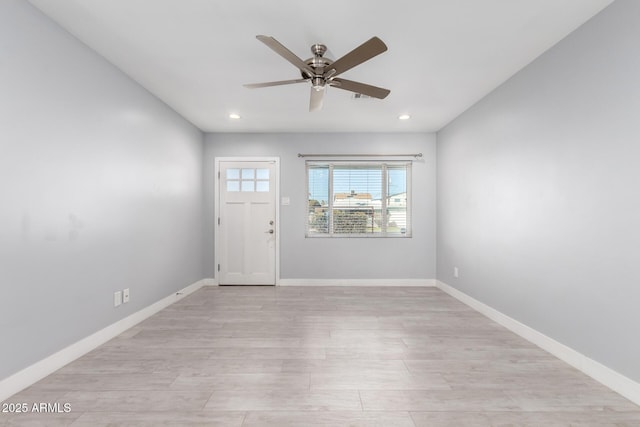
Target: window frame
384,167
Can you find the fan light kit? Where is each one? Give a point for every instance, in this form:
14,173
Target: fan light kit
323,72
234,116
404,117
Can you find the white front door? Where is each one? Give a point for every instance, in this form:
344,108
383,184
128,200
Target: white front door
247,223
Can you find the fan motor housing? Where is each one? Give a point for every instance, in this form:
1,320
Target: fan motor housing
318,62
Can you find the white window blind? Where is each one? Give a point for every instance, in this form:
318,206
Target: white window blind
359,199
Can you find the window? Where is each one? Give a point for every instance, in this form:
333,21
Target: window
359,199
248,180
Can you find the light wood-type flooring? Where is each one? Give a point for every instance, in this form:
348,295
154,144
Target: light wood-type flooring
330,356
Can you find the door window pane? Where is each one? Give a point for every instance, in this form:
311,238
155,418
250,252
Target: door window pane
247,185
248,173
233,185
262,173
262,186
233,173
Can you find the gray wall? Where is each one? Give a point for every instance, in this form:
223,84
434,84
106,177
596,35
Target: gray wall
100,190
539,193
323,258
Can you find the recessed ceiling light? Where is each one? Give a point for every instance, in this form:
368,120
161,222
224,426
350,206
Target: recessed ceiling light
404,117
234,116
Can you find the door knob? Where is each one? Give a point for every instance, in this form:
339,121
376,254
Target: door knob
270,231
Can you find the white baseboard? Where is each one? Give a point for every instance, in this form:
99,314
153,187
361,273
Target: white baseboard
209,282
604,375
357,282
34,373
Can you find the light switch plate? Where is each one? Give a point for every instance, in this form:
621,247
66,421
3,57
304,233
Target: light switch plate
286,201
117,298
125,296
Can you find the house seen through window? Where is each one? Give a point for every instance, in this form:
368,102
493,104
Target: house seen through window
358,199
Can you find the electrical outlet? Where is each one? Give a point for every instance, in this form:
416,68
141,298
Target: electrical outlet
117,298
125,296
456,273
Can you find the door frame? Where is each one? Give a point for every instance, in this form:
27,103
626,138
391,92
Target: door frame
216,209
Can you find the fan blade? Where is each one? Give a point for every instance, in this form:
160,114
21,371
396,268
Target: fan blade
357,87
315,103
280,83
357,56
278,48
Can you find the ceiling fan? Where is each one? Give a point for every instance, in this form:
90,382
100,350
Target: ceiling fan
323,72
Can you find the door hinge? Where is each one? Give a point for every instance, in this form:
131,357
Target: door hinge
218,174
218,267
218,220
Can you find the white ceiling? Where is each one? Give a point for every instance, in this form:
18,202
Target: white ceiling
444,55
